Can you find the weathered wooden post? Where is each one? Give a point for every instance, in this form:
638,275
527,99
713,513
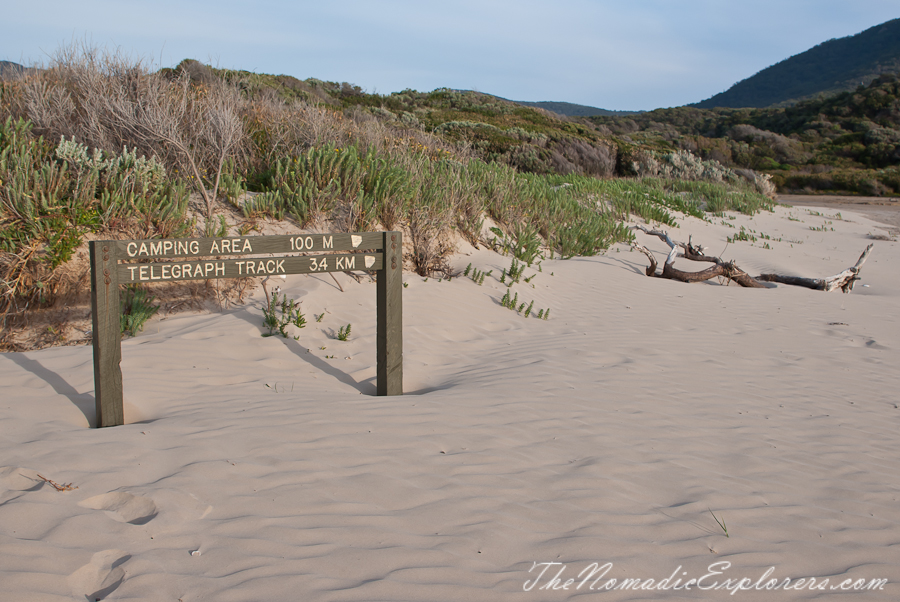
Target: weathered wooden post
106,333
389,335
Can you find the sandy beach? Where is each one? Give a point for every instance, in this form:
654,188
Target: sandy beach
885,210
649,429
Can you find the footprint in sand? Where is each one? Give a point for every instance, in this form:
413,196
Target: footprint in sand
123,507
100,577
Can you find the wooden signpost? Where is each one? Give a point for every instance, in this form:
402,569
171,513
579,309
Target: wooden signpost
258,256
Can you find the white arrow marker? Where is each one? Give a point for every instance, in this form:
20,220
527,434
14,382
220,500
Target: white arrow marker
370,261
355,240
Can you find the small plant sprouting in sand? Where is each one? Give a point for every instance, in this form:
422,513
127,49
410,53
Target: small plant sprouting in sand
232,186
512,302
476,275
514,273
137,308
215,228
742,235
290,314
721,523
343,333
319,317
508,301
823,228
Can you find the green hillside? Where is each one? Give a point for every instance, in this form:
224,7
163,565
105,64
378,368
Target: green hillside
848,142
834,66
496,129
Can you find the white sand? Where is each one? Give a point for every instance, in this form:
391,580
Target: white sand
605,434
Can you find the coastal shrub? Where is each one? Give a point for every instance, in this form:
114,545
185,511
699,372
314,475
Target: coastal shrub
870,182
575,155
132,191
428,224
51,196
523,242
109,101
313,184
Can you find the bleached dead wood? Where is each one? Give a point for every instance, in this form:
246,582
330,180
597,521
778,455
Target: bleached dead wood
728,269
843,281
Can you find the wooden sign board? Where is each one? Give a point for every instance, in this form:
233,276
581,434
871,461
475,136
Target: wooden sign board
201,259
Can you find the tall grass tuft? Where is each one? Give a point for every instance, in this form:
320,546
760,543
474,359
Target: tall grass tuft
137,308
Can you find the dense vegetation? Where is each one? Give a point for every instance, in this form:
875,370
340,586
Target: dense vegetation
848,142
834,66
99,146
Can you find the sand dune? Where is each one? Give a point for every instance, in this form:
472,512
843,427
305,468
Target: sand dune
618,431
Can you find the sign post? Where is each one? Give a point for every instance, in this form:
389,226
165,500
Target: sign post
184,263
389,362
106,334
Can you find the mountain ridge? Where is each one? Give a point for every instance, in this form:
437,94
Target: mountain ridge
570,109
9,70
834,66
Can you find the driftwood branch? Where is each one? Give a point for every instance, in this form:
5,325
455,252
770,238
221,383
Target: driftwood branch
843,281
651,269
728,269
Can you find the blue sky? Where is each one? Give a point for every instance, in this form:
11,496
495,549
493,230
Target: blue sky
622,55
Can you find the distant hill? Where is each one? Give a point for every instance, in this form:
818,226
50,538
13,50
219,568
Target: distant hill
837,65
9,70
572,110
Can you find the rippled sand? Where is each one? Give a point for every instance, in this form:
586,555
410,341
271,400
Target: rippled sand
618,431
